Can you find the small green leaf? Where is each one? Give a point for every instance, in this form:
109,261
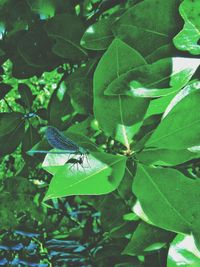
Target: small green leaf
188,38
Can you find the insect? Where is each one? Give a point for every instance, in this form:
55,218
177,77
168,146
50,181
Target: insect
65,145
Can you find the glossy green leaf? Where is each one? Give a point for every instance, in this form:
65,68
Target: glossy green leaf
117,115
100,174
67,30
183,252
148,25
178,130
188,38
168,198
155,80
165,104
99,35
147,238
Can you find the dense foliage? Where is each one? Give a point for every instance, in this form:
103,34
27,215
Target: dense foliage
120,79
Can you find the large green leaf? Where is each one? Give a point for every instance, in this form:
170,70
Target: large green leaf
117,115
188,38
180,128
169,199
148,25
101,173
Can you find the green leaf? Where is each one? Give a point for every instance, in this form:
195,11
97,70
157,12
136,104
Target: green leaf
35,49
166,157
111,208
188,38
10,141
67,30
59,107
148,25
4,89
26,95
100,174
166,103
45,8
141,79
176,130
117,115
155,80
147,238
99,35
183,252
80,84
168,198
9,121
31,137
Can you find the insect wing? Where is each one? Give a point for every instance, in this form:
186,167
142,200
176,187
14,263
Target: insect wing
57,140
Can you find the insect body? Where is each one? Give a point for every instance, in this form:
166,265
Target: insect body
58,140
66,146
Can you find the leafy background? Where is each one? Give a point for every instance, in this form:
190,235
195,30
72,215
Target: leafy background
121,79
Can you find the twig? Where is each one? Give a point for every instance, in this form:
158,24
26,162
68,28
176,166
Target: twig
8,104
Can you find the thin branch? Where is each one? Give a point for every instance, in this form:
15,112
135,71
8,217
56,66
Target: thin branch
8,104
